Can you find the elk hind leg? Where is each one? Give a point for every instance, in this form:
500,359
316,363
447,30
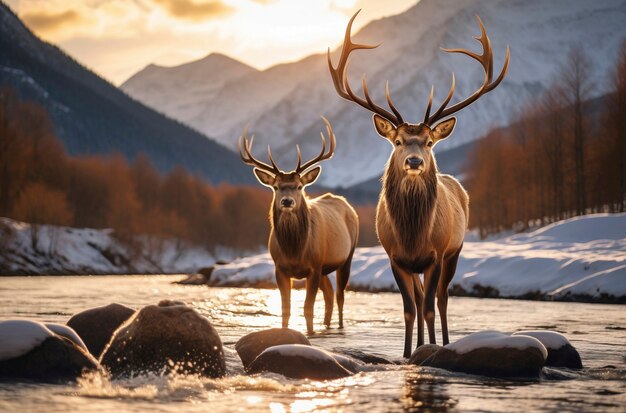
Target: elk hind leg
431,281
343,274
442,292
312,285
327,290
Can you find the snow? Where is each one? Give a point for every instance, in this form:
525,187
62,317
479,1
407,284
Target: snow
282,104
495,339
63,250
299,350
18,337
550,339
582,255
65,331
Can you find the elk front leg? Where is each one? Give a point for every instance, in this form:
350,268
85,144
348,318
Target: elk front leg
312,285
327,289
405,281
284,286
419,301
447,275
431,280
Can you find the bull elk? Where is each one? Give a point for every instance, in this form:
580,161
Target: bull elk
422,215
309,238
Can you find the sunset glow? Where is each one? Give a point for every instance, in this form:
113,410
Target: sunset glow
117,38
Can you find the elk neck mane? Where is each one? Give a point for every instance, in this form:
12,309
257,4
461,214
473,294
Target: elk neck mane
291,229
410,204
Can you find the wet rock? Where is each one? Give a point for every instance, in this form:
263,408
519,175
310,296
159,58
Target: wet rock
348,363
96,325
561,353
251,345
366,358
31,351
193,279
423,352
491,353
68,333
299,361
170,336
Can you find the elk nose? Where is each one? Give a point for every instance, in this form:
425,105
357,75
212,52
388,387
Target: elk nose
414,162
287,202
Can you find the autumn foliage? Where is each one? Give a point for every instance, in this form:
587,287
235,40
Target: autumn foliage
565,155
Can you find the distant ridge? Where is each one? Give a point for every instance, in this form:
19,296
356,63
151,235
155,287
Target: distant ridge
91,116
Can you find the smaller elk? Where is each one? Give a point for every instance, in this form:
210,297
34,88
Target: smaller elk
422,215
309,238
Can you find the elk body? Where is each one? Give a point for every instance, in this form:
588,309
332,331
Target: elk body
422,215
309,238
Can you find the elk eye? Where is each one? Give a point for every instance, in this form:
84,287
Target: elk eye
299,187
429,144
276,187
398,143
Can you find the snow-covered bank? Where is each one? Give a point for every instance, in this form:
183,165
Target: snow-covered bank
63,250
583,256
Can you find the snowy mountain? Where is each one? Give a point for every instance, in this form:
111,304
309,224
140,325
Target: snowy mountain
282,104
91,116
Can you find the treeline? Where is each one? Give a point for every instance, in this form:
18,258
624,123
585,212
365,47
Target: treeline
565,155
41,184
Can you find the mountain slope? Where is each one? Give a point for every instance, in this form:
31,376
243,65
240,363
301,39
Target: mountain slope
282,104
93,117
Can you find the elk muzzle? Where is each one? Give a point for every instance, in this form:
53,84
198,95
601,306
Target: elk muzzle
287,203
414,165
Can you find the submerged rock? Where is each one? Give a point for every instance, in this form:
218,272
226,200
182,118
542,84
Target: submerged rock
97,325
299,361
423,352
362,356
492,353
561,353
251,345
170,336
31,351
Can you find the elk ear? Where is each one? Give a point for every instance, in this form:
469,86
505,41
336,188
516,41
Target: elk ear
443,129
311,176
265,178
383,126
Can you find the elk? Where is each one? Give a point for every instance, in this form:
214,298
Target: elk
422,215
309,238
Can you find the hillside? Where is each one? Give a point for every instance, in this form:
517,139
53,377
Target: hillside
282,104
91,116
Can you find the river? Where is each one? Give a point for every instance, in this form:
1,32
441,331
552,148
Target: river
374,324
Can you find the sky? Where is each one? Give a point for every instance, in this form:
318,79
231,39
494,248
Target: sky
117,38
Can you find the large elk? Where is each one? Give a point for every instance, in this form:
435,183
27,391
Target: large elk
309,238
422,215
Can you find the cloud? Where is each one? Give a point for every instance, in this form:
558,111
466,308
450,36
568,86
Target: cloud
194,10
45,22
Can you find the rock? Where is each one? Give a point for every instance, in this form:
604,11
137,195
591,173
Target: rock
193,279
31,351
68,333
561,353
96,325
492,353
348,363
298,361
362,356
251,345
165,337
423,352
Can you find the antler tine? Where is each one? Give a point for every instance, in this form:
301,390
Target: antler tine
486,61
390,103
299,157
340,79
249,159
430,103
323,155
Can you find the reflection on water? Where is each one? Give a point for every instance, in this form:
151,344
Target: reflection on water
374,325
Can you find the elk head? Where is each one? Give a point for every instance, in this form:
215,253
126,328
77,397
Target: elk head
288,187
413,142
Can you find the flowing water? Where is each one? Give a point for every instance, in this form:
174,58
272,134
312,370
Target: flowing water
374,324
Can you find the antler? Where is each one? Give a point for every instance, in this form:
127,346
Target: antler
340,80
248,159
486,60
322,155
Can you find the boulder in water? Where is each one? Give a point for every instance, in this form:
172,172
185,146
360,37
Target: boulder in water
561,353
423,352
251,345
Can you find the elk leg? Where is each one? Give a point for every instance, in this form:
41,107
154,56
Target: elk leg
327,289
284,286
405,282
431,280
419,299
343,274
442,292
312,285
